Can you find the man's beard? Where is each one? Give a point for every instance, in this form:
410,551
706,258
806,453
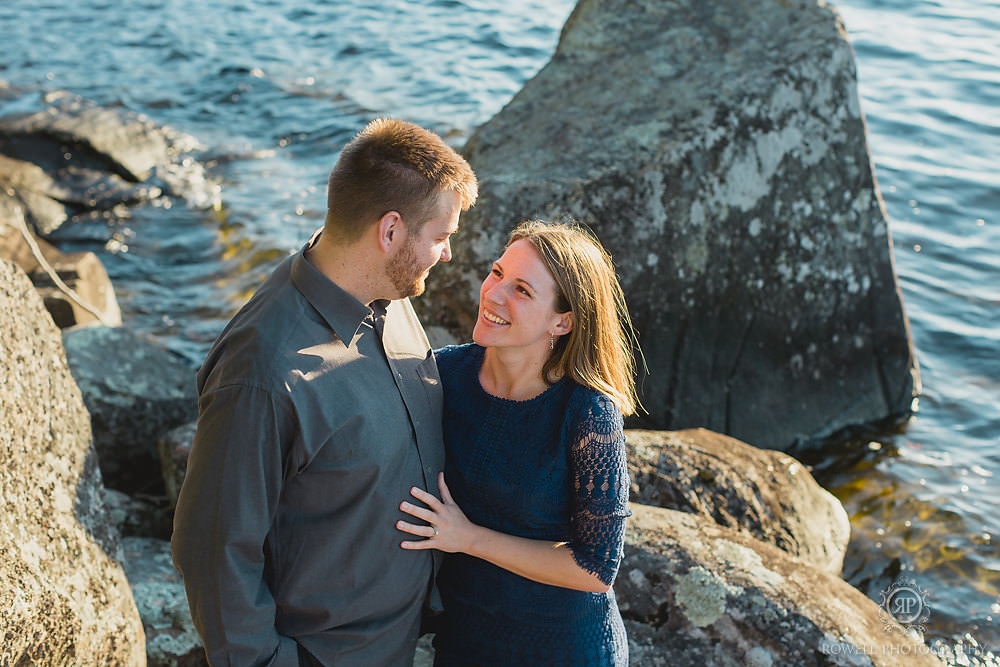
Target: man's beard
403,272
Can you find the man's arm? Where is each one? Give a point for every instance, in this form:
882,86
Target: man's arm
224,513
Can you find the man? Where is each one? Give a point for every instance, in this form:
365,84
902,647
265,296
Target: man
320,408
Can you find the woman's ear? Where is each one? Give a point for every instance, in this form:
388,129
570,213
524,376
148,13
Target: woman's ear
390,230
564,325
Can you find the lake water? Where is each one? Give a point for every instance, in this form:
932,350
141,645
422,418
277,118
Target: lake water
274,88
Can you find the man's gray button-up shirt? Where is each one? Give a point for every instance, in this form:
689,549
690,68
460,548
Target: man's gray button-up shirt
312,430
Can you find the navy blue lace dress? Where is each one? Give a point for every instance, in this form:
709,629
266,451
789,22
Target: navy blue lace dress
551,468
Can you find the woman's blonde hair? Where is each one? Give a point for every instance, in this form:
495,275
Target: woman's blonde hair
598,351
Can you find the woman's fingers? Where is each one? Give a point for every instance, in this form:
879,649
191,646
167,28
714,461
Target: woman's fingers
427,532
414,529
447,522
420,544
419,512
425,497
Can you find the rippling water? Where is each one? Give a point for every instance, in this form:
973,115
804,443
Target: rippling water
929,76
274,90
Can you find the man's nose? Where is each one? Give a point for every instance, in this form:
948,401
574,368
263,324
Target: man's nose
446,251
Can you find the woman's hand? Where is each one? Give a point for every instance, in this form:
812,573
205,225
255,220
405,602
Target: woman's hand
448,530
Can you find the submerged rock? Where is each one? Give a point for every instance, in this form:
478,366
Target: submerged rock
63,594
763,492
104,138
719,151
76,156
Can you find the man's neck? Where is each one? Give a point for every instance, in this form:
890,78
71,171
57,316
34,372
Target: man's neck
349,267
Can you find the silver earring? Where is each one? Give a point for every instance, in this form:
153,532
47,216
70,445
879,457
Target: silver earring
552,341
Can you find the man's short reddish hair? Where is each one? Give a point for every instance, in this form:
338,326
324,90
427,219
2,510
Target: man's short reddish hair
392,165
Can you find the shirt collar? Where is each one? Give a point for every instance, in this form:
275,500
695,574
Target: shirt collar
342,312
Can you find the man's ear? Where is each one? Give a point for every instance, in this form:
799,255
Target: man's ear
391,230
564,325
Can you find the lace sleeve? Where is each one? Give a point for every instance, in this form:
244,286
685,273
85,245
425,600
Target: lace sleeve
600,480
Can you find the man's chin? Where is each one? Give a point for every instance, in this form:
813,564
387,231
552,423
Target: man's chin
415,289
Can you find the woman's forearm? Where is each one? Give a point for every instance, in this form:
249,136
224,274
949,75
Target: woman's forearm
539,560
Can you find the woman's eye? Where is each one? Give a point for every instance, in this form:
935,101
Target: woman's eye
524,291
495,272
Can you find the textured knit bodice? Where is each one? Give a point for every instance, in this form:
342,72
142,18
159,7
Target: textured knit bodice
549,468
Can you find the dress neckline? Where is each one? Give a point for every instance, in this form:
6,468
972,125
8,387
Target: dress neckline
480,356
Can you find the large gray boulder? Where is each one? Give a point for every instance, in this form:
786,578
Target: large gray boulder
718,150
63,594
764,492
694,593
135,391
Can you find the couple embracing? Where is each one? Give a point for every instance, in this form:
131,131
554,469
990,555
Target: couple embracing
348,484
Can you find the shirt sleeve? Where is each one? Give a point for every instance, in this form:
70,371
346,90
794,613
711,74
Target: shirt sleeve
600,479
223,516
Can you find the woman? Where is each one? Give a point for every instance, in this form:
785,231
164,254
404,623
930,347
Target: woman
537,486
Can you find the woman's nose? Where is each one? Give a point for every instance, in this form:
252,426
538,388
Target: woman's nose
446,251
494,293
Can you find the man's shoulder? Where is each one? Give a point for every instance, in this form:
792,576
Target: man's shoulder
255,345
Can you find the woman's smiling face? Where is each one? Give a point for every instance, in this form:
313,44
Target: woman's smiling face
517,302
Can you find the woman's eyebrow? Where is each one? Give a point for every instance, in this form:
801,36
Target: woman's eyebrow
497,265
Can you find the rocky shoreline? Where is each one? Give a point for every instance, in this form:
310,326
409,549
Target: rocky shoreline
739,566
754,251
